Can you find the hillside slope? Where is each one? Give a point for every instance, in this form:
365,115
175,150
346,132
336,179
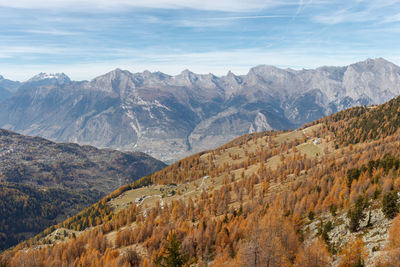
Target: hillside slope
170,117
41,182
4,94
296,198
7,88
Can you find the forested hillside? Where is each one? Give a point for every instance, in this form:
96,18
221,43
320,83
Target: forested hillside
360,124
42,182
27,209
323,195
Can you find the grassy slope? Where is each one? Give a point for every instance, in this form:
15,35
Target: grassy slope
187,179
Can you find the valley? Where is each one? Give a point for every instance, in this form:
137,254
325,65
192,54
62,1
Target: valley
318,192
176,133
42,182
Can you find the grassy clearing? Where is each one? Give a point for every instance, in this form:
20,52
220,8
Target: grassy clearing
165,194
310,149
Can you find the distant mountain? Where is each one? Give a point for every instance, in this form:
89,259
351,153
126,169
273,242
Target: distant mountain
169,117
44,79
4,94
7,88
9,85
41,182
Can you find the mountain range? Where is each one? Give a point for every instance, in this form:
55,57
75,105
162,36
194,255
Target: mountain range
169,117
7,87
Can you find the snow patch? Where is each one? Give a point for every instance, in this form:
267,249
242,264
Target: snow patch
47,76
137,100
135,125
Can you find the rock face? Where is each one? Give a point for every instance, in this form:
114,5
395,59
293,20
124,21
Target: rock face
9,85
7,88
169,117
4,94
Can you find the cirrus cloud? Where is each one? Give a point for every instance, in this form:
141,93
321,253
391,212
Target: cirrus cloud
220,5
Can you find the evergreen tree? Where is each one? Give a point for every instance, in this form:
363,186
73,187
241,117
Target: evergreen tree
172,256
356,214
389,204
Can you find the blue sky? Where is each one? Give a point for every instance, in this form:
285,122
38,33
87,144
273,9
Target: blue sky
87,38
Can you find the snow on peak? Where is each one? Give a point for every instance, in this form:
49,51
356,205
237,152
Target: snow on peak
59,77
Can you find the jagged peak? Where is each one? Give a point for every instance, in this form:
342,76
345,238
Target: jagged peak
263,68
147,72
187,75
154,75
60,77
119,71
186,72
379,59
230,74
374,62
111,75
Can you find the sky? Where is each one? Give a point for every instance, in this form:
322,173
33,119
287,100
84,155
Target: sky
87,38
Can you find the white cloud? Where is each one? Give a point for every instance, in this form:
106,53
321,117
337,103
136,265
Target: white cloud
14,50
392,19
360,11
52,32
344,15
220,21
220,5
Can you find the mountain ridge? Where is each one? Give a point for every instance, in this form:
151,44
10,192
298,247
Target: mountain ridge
43,182
169,117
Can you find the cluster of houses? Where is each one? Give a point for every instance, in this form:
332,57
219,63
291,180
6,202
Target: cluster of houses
138,200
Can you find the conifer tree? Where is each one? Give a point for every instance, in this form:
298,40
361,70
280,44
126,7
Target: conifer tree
390,206
356,214
172,256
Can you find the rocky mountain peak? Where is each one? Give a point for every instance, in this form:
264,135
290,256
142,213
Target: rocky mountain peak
8,85
59,78
186,72
230,74
115,74
375,79
185,78
231,83
114,81
373,65
378,60
187,75
153,76
169,116
232,77
264,69
146,74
